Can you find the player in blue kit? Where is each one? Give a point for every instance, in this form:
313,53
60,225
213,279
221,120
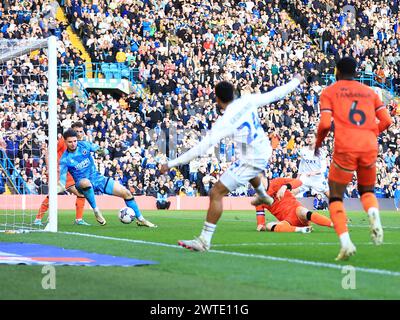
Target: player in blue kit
78,161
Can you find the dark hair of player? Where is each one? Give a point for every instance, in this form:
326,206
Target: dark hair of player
77,124
347,67
69,133
224,90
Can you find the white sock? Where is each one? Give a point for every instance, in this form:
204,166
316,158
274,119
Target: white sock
261,190
208,231
300,229
344,239
374,212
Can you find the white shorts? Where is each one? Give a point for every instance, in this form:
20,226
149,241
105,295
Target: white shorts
315,184
240,172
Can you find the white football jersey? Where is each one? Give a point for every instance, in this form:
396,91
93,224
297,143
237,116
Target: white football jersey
311,163
241,121
251,142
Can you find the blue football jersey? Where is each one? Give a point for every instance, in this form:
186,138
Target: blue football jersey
80,163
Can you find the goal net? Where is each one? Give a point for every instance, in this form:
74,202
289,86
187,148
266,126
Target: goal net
28,133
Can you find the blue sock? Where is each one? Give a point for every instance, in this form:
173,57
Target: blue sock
131,203
89,195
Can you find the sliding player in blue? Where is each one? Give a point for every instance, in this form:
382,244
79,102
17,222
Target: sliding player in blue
78,161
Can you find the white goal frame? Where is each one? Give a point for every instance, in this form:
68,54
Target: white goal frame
22,47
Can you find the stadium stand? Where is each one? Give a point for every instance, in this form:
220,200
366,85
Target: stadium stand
257,45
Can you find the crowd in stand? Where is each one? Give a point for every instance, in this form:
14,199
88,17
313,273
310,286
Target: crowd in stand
23,87
367,30
182,49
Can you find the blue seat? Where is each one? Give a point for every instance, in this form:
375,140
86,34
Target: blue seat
105,68
122,65
114,70
124,70
125,73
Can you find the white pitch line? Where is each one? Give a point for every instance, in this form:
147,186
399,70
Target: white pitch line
248,255
310,263
159,244
202,219
288,244
253,220
367,226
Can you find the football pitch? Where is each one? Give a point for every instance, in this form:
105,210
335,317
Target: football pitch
242,264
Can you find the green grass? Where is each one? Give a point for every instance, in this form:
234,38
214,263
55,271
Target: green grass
182,274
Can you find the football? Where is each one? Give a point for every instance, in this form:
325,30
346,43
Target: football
126,215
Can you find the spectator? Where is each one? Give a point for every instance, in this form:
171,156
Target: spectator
3,182
162,202
152,190
380,190
397,197
32,187
42,185
319,203
187,189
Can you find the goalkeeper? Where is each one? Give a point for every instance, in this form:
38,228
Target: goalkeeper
78,161
70,184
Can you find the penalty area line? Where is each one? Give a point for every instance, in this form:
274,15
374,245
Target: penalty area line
245,255
159,244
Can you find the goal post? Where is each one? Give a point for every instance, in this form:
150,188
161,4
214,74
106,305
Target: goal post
52,122
27,79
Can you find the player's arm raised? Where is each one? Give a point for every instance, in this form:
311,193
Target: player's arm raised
221,129
279,93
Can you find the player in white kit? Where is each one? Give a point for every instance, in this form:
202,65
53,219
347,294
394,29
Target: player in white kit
240,119
312,169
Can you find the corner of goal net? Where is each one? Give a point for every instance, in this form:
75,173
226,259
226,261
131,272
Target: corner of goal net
50,228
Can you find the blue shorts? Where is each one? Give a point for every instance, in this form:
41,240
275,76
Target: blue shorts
100,184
